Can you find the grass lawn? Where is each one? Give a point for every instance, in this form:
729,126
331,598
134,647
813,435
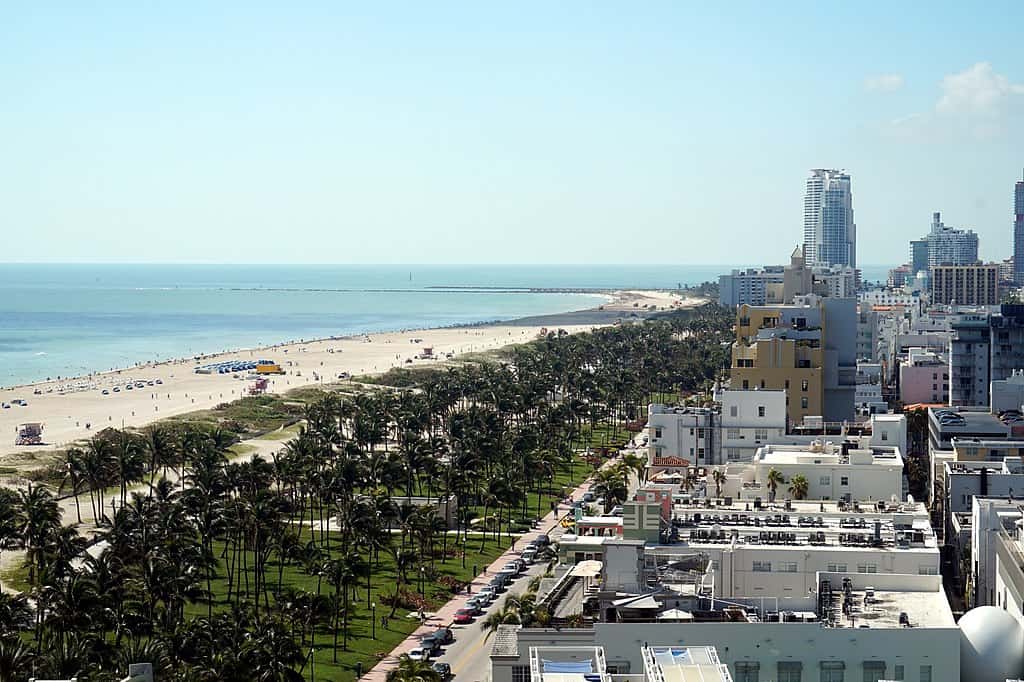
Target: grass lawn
362,647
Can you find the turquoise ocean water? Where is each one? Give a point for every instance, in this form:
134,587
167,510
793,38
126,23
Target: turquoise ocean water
69,320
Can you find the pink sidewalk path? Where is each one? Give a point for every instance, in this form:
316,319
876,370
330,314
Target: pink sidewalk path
444,615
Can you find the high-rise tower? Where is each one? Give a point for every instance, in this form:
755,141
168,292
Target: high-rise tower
1018,233
830,235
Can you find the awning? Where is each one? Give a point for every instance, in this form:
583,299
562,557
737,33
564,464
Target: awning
586,569
644,601
675,614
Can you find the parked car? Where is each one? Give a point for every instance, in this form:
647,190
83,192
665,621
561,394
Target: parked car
509,574
488,592
543,541
463,616
477,604
443,670
419,654
588,496
431,644
497,584
445,635
159,382
106,392
529,555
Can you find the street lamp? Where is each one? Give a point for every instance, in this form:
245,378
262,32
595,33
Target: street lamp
423,575
373,620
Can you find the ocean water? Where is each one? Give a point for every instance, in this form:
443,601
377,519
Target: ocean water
69,320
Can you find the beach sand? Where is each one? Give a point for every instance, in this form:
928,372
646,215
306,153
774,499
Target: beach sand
76,415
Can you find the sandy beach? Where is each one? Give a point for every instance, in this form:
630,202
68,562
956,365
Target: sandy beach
74,409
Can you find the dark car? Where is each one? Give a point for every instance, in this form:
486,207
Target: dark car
542,540
444,670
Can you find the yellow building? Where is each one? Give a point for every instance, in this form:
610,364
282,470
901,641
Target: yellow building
781,347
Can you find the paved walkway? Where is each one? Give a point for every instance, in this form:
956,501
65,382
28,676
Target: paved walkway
443,617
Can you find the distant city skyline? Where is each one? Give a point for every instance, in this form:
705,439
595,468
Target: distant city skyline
466,133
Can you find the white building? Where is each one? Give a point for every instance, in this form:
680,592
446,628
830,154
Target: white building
989,516
1007,394
867,396
749,420
948,245
830,235
731,431
833,472
748,286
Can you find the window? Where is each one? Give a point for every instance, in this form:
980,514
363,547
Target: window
825,480
803,384
733,453
700,453
733,411
787,567
787,384
657,432
867,568
789,671
760,435
803,402
833,671
691,431
520,673
762,567
844,480
746,384
885,436
748,671
732,434
700,433
927,570
926,673
760,410
874,671
897,672
744,321
837,568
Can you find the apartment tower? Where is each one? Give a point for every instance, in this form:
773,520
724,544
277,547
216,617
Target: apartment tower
830,235
1018,233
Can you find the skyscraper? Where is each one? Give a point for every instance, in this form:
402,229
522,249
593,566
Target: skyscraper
830,235
1018,233
949,246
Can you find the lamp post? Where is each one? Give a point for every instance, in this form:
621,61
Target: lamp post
373,620
422,577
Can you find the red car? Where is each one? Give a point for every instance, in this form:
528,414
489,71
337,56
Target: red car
463,616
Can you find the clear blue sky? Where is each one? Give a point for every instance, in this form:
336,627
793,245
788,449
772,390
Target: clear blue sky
474,133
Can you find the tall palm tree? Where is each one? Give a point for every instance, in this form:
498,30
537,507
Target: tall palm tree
774,479
798,486
719,478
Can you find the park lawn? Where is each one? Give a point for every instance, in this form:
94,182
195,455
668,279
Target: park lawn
362,647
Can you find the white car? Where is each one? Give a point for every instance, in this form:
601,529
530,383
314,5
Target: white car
419,654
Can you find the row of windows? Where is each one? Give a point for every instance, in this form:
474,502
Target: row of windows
828,671
787,671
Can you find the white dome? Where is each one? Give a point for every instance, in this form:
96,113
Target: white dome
991,645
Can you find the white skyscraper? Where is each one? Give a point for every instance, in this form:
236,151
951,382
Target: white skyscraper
830,235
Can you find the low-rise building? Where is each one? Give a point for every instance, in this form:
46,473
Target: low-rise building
832,472
924,378
1007,394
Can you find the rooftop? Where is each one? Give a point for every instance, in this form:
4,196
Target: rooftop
826,453
865,605
959,420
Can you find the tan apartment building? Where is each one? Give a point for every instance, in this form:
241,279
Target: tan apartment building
965,284
788,347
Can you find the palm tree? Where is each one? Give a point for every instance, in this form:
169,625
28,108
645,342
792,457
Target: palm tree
774,479
73,476
409,670
798,486
719,478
